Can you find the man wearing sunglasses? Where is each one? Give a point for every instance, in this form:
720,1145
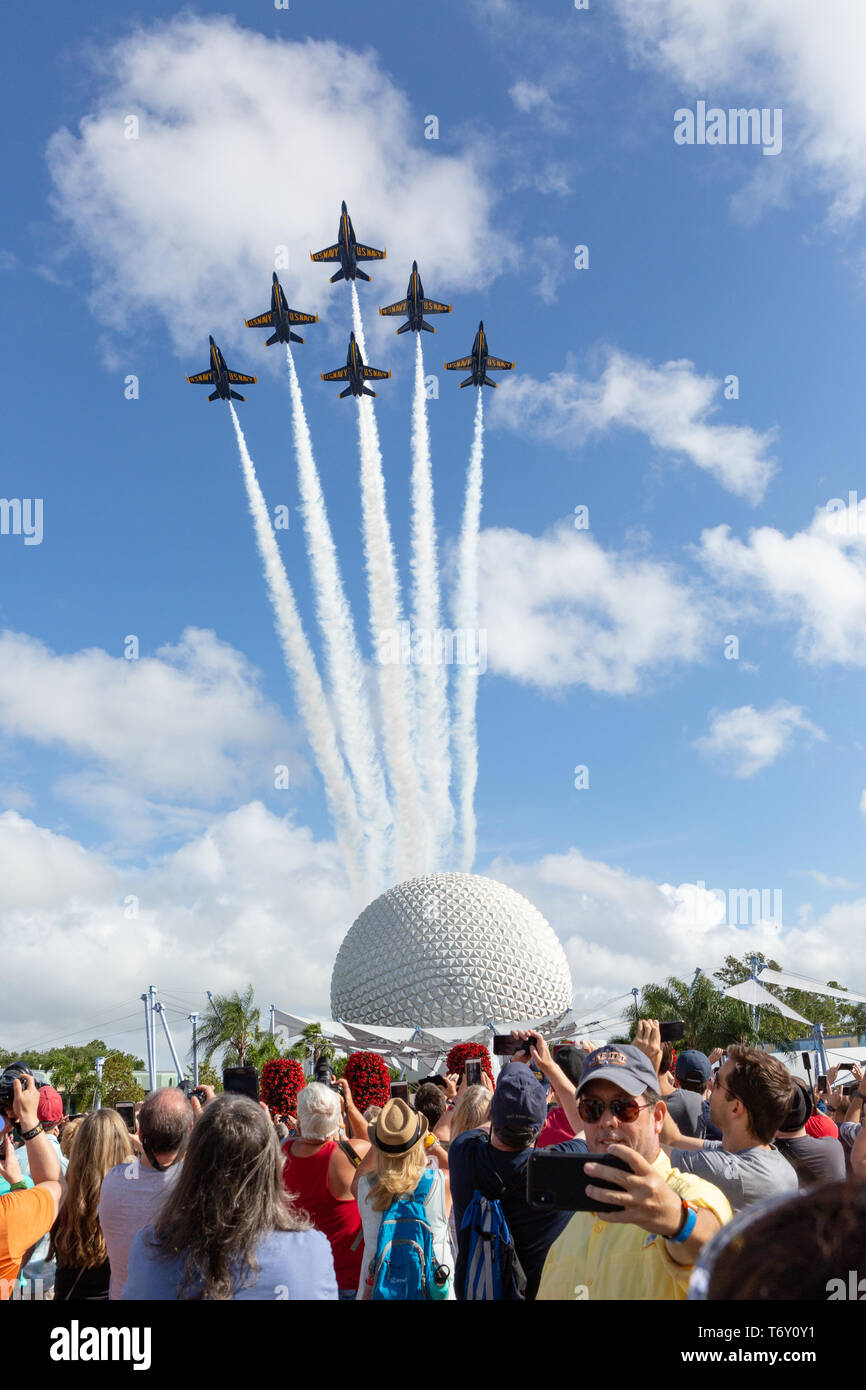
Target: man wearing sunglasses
647,1249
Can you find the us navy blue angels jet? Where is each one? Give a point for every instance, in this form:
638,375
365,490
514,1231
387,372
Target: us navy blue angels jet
348,251
480,363
355,373
220,377
280,317
416,306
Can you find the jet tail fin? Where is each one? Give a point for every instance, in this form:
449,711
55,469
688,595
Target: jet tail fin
405,328
274,338
367,392
468,382
236,396
489,382
339,276
214,396
295,338
347,392
361,274
428,327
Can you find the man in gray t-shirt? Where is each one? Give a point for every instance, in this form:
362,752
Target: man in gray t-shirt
133,1192
751,1099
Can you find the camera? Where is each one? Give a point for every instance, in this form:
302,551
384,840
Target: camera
325,1074
189,1089
13,1072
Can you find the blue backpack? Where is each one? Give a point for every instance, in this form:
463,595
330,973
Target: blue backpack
405,1266
492,1270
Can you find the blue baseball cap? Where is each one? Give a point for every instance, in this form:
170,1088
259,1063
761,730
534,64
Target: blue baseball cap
626,1066
693,1065
520,1099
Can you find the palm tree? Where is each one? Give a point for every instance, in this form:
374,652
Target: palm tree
312,1046
711,1018
231,1023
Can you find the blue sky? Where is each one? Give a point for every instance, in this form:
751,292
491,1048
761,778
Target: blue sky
606,646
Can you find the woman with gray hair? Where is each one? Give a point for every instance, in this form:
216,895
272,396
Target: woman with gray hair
319,1168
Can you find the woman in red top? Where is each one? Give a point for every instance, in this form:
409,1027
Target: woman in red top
319,1172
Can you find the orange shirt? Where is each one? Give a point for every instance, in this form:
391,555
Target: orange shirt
25,1217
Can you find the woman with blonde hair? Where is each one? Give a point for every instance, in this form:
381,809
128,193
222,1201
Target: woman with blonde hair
101,1142
399,1137
472,1111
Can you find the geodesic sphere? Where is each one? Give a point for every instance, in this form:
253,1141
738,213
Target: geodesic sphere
446,950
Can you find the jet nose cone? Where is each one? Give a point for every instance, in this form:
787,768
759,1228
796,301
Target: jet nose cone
343,206
415,266
481,325
210,340
275,277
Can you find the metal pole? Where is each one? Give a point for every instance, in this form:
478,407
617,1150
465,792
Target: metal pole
160,1009
194,1018
819,1030
151,990
273,1026
148,1023
97,1100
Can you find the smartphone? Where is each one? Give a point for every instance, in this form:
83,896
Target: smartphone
672,1032
506,1046
126,1111
559,1182
822,1082
472,1071
400,1091
243,1081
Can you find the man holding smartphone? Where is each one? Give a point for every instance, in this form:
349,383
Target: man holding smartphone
646,1250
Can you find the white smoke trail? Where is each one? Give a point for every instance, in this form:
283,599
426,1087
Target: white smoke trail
345,667
395,675
301,665
466,621
433,731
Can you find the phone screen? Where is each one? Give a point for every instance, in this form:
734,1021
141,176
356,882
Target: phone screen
243,1081
506,1046
400,1091
126,1111
473,1071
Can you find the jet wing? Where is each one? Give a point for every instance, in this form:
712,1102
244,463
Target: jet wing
401,308
374,373
260,321
368,253
462,364
499,364
201,379
330,253
432,306
239,378
340,374
295,316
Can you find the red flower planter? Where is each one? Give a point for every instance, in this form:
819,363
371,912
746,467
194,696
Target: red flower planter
460,1055
281,1081
369,1079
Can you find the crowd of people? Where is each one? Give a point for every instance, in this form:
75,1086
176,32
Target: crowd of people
614,1172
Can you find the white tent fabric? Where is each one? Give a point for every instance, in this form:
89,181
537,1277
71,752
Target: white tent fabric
794,1061
753,993
784,977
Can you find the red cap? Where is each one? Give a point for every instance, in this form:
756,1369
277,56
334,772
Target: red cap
50,1110
821,1127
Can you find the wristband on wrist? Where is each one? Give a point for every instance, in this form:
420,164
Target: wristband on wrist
689,1221
32,1133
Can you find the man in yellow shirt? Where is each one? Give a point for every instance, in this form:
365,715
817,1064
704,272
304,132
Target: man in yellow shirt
647,1250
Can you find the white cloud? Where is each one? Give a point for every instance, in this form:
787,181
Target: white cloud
560,610
815,578
187,724
253,898
746,740
549,258
620,930
671,404
531,98
247,143
780,53
830,880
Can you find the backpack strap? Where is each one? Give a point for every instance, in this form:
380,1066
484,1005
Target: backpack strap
346,1148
